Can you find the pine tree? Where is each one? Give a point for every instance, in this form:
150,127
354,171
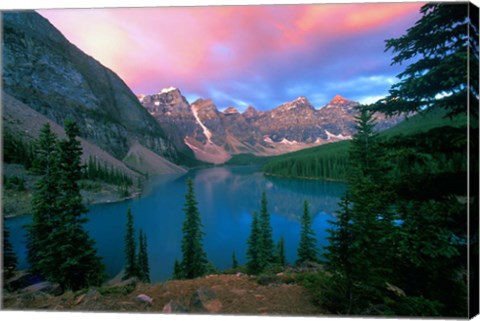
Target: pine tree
363,149
443,49
266,240
72,257
307,249
9,258
280,253
45,201
130,248
142,259
194,261
234,261
256,260
177,271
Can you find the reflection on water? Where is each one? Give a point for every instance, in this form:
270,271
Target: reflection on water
226,197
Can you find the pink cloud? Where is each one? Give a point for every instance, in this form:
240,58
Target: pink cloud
153,47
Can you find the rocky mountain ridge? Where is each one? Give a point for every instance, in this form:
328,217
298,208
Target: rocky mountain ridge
214,136
47,73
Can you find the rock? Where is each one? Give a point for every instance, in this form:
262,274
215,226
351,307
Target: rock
239,274
131,282
201,297
174,307
45,287
19,280
125,286
42,69
144,298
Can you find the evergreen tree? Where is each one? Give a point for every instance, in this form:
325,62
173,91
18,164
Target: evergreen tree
443,46
307,249
256,260
177,271
363,152
280,253
9,258
234,261
142,262
45,201
130,248
194,261
266,241
340,255
72,260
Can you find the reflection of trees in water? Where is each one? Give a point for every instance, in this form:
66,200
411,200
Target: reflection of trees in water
242,187
287,196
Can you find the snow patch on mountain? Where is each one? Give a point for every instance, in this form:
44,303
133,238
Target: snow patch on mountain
286,141
167,90
339,136
206,132
267,139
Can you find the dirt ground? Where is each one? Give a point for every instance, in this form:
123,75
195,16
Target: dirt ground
215,294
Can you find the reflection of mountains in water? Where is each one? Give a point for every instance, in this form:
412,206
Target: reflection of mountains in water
242,187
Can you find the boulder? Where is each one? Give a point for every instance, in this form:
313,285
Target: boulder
144,298
19,280
45,287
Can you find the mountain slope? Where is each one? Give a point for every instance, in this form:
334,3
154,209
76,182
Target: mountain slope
329,161
216,136
22,121
42,69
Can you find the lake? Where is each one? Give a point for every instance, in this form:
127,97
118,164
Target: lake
226,196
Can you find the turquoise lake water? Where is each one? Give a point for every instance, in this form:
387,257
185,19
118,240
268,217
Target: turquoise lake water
227,197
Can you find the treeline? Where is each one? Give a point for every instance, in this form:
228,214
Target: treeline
16,150
321,166
108,174
19,151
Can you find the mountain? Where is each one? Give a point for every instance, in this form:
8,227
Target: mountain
330,161
215,136
47,73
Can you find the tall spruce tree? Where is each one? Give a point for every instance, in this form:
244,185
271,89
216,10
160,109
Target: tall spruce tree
194,261
130,248
364,226
307,248
256,260
142,259
45,202
266,240
9,257
340,255
73,259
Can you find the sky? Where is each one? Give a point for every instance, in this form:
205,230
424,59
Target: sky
261,55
